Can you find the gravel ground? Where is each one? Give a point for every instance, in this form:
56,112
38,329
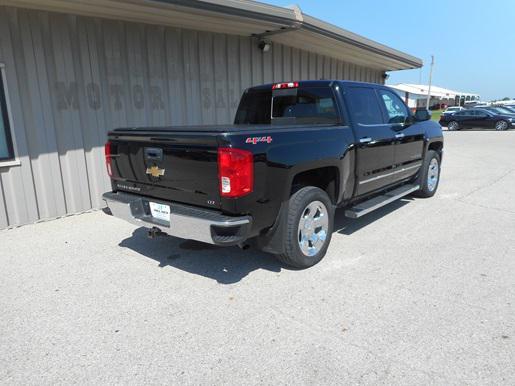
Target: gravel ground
422,291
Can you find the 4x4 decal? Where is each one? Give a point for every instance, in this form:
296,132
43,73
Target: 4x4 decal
256,140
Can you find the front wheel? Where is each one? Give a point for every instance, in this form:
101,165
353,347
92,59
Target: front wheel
501,125
309,226
429,175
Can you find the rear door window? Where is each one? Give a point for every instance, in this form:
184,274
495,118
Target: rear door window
364,106
482,113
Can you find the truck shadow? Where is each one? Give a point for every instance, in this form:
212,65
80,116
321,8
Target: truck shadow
226,265
347,226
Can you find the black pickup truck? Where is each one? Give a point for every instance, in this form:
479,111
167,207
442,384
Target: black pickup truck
295,153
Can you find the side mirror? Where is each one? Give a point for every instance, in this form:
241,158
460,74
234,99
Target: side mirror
410,119
422,115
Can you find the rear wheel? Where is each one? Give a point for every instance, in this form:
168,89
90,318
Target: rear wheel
430,175
501,125
309,226
453,125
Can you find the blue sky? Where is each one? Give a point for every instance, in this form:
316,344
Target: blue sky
473,40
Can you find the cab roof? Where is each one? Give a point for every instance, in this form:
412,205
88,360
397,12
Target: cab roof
319,83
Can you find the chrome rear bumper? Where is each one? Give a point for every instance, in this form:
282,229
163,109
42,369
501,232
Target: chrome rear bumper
187,222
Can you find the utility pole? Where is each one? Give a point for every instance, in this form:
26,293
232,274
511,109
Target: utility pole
430,79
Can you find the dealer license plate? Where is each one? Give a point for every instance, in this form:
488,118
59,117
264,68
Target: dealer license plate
160,211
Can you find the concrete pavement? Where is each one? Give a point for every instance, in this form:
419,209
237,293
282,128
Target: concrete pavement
422,291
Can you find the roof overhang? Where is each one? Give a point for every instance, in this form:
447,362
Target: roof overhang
288,26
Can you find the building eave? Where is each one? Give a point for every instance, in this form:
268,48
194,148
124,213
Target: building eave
240,17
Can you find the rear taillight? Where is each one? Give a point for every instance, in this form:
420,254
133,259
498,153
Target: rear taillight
235,172
107,150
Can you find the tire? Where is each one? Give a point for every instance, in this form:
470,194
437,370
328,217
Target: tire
307,208
453,126
501,125
430,175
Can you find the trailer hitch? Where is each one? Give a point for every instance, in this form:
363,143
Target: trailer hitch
154,232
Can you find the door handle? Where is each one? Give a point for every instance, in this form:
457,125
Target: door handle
365,140
400,135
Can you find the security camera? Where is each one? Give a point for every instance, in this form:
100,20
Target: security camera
385,76
264,45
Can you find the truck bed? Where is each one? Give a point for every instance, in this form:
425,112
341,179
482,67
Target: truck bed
189,160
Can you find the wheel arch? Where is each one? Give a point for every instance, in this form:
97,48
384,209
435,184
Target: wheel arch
326,178
436,146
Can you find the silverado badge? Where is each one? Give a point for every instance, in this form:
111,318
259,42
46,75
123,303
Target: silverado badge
155,171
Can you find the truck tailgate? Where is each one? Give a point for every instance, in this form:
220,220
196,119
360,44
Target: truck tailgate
168,165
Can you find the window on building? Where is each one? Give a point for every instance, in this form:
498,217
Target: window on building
6,144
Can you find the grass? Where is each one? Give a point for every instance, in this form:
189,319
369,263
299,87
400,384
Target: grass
435,115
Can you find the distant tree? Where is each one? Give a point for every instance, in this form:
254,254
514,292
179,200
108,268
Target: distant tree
506,99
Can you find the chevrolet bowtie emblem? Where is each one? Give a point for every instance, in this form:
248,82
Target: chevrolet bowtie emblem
155,171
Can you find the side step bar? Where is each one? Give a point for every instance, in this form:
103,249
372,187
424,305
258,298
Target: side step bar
374,203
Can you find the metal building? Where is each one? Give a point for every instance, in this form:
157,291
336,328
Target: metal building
415,95
72,70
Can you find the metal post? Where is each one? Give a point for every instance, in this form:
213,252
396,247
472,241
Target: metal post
430,79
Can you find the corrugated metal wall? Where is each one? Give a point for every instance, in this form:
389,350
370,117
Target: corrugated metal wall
71,79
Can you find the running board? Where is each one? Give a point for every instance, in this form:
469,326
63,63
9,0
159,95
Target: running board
380,201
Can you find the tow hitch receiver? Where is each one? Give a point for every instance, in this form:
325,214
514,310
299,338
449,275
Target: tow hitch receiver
154,232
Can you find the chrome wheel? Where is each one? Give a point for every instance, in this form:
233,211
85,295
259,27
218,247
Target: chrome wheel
432,175
313,228
501,125
453,125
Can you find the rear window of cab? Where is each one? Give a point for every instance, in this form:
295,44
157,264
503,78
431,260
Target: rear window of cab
303,105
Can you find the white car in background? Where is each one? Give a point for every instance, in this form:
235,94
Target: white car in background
452,110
